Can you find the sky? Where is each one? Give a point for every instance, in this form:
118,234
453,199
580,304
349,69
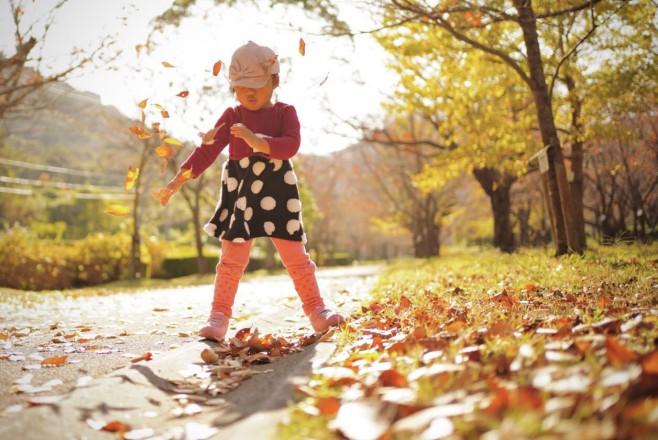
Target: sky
337,80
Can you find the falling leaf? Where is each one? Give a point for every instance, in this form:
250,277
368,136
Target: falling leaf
118,210
142,104
302,47
186,175
131,177
216,68
167,64
145,357
172,141
164,151
325,79
209,136
183,94
54,361
165,114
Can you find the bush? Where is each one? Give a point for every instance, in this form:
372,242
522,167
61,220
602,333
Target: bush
29,264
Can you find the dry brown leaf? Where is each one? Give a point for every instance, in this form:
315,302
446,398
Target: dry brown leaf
617,353
55,361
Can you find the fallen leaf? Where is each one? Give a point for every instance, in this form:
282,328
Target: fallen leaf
366,419
142,104
302,47
167,64
145,357
54,361
617,353
650,362
209,356
183,94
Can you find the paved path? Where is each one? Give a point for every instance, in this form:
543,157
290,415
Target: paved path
100,335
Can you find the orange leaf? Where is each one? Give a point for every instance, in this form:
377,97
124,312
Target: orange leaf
392,378
650,362
167,64
54,361
145,357
117,210
116,426
183,94
142,104
302,47
216,68
165,114
186,175
163,150
617,353
131,177
328,406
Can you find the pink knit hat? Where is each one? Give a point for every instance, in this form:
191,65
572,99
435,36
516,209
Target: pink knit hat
252,65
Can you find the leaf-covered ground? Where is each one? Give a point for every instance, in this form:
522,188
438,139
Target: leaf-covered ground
492,346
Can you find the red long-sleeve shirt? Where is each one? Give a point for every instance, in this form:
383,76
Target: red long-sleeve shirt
278,123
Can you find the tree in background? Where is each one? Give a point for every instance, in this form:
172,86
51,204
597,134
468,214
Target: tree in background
21,73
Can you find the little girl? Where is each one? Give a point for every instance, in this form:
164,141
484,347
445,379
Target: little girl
259,195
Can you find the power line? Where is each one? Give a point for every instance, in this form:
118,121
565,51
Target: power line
58,185
54,169
19,191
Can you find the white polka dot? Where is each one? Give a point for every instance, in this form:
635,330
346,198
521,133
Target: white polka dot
232,183
238,240
223,215
290,178
294,205
278,163
240,185
244,162
258,168
241,203
222,235
248,213
293,226
268,203
210,228
246,228
230,223
269,228
256,186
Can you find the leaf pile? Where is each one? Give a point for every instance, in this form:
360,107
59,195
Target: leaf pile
487,353
230,363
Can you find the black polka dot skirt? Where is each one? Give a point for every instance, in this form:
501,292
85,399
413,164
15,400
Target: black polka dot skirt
259,198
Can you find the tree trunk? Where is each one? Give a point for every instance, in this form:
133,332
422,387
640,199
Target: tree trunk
497,189
558,176
577,158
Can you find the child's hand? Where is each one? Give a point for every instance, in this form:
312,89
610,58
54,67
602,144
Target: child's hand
256,142
172,187
240,131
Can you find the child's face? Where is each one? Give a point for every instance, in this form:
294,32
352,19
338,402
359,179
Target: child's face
256,99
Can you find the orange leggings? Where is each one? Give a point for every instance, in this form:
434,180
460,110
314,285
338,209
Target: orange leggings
233,262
